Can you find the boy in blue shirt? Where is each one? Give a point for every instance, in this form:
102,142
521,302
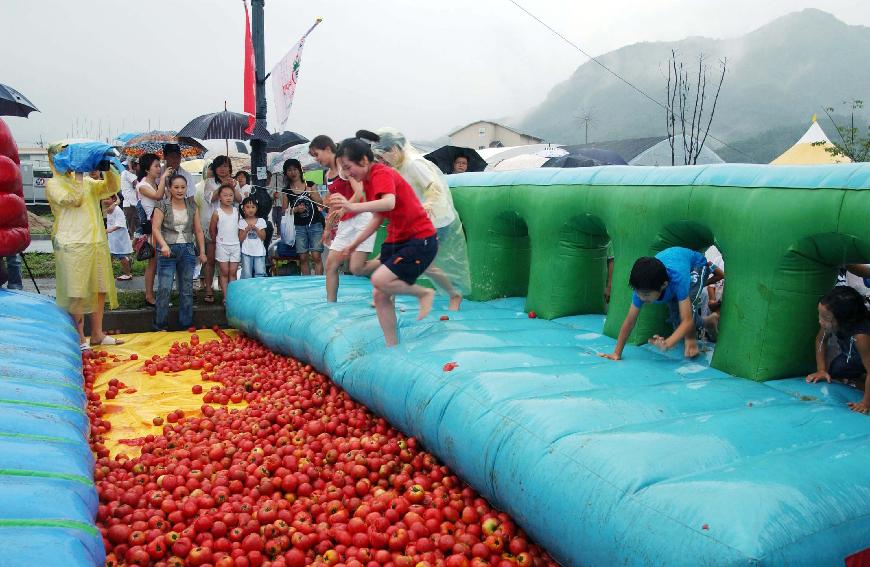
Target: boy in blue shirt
674,276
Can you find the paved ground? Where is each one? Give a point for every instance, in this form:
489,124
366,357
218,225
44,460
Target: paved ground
47,285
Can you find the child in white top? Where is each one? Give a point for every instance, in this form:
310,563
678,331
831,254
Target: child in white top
252,233
223,227
119,239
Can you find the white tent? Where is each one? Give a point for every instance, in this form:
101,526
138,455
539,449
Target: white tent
810,149
660,155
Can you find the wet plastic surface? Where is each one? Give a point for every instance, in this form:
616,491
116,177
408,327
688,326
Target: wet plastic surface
653,460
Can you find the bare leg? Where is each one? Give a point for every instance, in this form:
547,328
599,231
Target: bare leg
97,334
387,283
318,263
150,271
304,268
223,277
441,280
386,317
333,262
368,267
233,270
358,265
125,266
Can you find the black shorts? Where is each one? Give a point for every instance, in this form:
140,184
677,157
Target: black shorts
410,258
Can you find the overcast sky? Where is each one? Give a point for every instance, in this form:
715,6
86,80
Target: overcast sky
423,66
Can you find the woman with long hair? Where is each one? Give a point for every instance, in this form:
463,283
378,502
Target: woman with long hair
150,192
220,173
349,225
305,204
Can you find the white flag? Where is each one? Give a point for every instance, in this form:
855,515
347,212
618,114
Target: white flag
284,77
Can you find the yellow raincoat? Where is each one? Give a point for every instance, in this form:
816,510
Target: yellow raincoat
431,188
81,248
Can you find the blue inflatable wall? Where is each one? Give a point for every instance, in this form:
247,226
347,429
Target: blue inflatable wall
48,501
653,460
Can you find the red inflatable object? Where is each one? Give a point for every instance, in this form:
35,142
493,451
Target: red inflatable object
14,231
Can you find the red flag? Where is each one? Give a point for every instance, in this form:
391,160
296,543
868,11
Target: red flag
250,98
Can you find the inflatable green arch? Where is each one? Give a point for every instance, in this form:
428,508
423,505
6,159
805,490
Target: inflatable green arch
783,231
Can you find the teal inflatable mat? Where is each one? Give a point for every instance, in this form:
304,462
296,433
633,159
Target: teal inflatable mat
653,460
48,501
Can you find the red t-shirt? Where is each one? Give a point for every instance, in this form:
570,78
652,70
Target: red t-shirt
342,187
408,219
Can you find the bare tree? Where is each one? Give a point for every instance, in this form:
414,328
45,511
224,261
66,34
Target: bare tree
685,119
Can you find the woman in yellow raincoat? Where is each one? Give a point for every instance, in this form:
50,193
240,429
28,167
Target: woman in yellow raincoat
84,277
450,270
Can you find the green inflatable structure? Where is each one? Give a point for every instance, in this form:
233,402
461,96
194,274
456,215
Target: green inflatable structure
783,232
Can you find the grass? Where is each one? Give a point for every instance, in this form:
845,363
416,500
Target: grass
45,215
136,299
42,265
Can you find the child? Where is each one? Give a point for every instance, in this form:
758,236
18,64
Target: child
411,244
252,233
349,225
120,246
674,277
223,228
844,315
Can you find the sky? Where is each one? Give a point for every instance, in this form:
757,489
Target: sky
423,66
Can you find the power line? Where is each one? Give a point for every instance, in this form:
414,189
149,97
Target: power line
614,73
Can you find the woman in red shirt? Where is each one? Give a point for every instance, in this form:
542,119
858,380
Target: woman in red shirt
410,245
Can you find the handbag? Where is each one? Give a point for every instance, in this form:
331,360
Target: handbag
288,229
143,248
144,221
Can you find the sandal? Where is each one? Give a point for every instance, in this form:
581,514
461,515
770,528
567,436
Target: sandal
208,298
85,346
124,278
109,341
151,305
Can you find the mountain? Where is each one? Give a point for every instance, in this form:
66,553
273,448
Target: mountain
778,76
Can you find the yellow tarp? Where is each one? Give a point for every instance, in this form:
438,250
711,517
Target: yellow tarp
132,415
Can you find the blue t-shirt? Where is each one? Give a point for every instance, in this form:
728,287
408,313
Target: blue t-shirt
679,263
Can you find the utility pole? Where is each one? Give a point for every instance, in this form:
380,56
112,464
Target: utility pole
258,147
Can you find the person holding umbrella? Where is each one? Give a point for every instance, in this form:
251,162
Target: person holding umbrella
220,173
172,159
460,164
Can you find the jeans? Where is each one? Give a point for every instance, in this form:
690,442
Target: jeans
179,265
253,266
309,238
13,272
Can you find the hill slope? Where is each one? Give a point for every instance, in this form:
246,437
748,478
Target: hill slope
778,76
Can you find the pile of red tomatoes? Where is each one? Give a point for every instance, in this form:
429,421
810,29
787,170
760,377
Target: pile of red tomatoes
302,475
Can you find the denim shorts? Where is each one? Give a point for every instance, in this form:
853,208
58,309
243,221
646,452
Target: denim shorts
309,238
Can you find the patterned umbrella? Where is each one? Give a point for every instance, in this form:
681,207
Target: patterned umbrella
152,143
224,125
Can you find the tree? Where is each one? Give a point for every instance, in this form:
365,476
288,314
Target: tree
686,121
851,144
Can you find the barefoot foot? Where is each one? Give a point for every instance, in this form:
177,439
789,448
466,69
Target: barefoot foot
455,302
426,301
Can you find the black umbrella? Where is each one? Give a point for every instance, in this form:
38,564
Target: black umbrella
284,140
13,103
224,125
585,157
444,157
